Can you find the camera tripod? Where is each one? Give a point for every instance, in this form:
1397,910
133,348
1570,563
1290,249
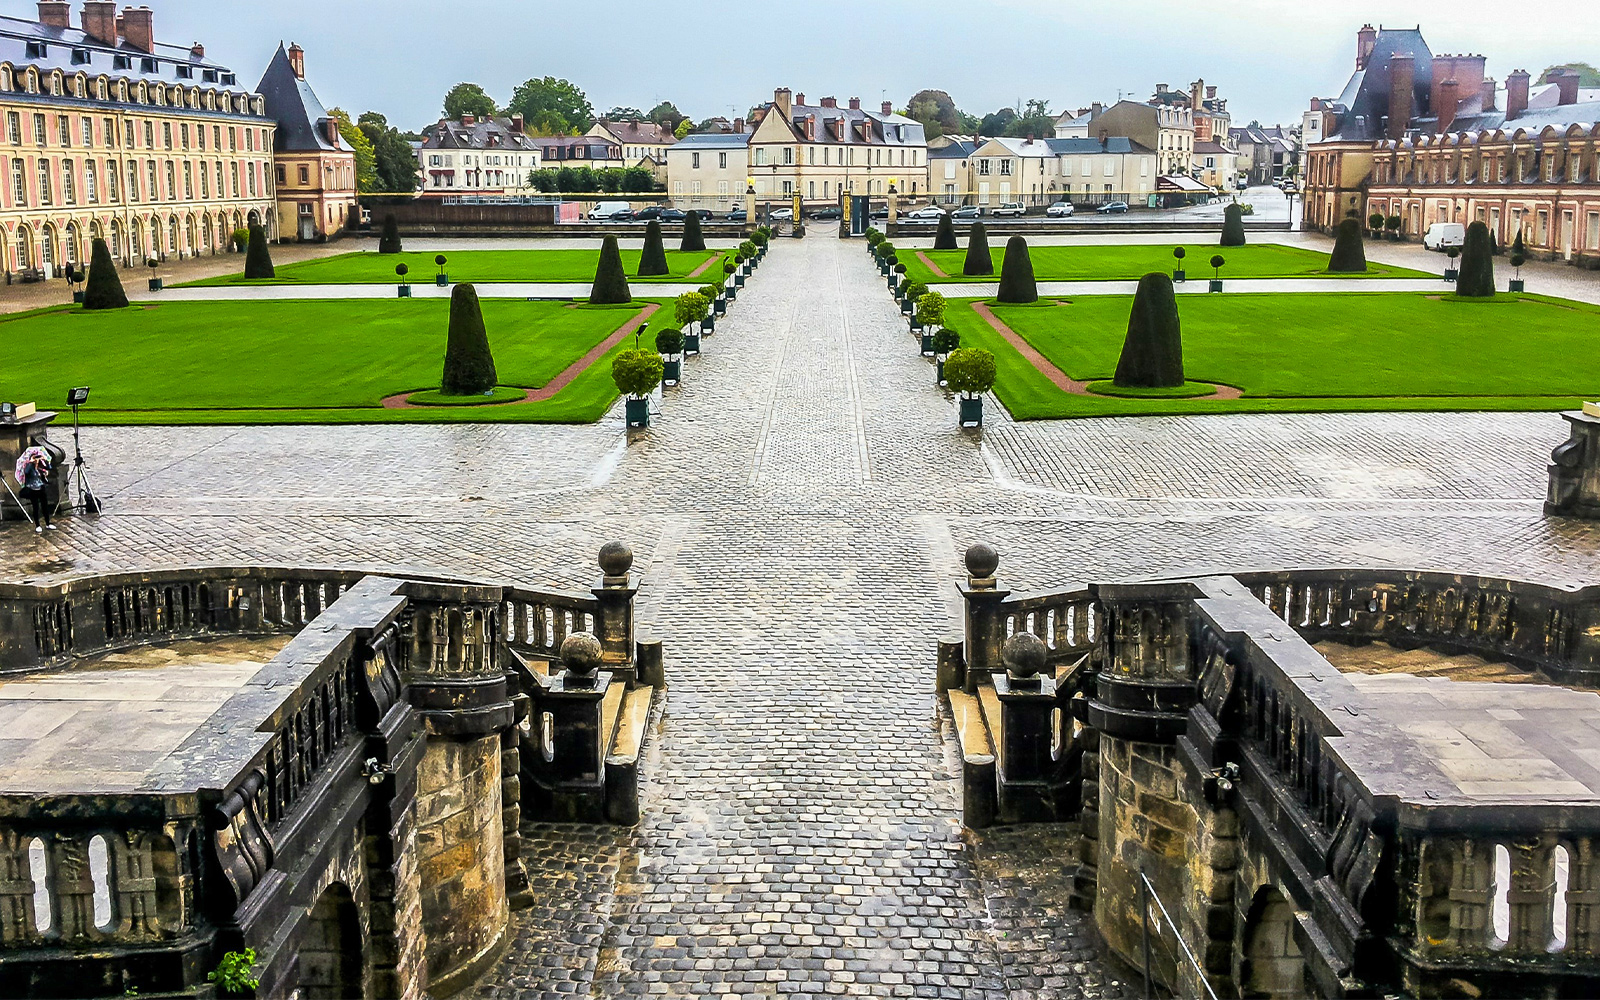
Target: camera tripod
88,503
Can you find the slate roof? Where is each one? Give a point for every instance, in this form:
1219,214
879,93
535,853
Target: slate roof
639,132
487,133
95,57
1365,101
954,151
714,140
1083,147
891,129
292,103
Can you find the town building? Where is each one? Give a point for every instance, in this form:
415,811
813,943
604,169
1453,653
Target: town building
580,151
950,167
1166,128
1434,139
822,151
1267,154
316,174
1075,124
1037,172
110,134
482,157
644,143
709,171
1215,165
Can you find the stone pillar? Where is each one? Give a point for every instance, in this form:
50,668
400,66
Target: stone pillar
1025,759
985,632
749,206
1575,467
567,756
614,625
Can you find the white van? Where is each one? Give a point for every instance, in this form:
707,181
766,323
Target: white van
1444,235
608,209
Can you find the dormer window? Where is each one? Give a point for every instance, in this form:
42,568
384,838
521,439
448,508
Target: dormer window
186,72
209,76
148,66
121,62
37,50
80,57
228,79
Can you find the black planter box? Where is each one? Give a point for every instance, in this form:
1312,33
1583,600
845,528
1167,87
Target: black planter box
972,412
442,280
155,284
1516,285
1180,276
672,371
638,412
403,292
1216,286
1450,274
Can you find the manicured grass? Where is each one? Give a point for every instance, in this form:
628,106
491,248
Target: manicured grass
1188,390
480,266
436,397
1129,263
285,362
1312,352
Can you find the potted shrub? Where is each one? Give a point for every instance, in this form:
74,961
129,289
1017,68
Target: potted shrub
443,278
930,316
743,263
241,239
691,309
910,293
637,373
670,344
731,292
898,276
945,341
970,371
711,293
1375,223
1216,272
405,286
1393,224
1451,271
155,282
1178,273
1518,258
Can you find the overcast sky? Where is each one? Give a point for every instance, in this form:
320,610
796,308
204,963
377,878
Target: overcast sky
1268,57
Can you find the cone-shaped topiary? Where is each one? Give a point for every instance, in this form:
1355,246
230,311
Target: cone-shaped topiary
1349,254
979,260
468,365
1476,277
1517,247
653,261
1152,356
692,238
389,242
1017,284
610,280
1233,226
945,239
258,259
104,290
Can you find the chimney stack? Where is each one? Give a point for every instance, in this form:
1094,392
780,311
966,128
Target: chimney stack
1095,109
1488,91
100,21
738,126
330,127
783,101
1197,93
799,100
139,28
55,13
1517,94
468,119
519,125
888,107
855,104
297,61
1211,93
1566,82
1366,41
1402,81
197,51
1448,101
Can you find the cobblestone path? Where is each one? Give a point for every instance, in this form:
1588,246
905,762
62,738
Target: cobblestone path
798,513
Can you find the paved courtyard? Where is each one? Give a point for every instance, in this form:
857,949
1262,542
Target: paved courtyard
798,514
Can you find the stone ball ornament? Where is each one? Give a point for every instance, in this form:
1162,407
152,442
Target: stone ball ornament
982,561
1025,655
616,559
581,654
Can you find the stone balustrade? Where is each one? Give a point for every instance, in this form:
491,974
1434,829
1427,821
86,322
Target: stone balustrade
1313,833
377,759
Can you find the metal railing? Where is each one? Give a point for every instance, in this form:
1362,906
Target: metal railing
1147,895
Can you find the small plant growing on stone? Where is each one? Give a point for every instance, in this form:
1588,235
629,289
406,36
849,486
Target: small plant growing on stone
930,310
970,371
637,372
233,973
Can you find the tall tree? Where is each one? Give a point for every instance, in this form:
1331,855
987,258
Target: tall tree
625,114
361,145
667,115
936,111
553,106
394,161
1588,76
998,122
1035,120
468,99
684,128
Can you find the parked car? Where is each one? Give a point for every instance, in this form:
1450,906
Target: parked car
672,215
1444,235
1113,208
930,212
967,212
610,210
737,215
706,214
647,213
781,215
828,212
878,213
1060,210
1012,209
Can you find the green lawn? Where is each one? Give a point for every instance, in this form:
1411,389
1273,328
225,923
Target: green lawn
480,266
295,362
1312,352
1130,263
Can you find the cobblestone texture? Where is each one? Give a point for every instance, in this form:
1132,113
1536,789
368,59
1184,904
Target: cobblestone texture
798,512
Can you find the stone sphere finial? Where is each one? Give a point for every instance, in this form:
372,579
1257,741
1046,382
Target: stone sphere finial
982,561
1025,655
581,654
616,559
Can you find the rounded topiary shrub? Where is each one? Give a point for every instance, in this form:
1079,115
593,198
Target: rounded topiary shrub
653,260
979,261
1233,226
468,364
1017,284
1152,354
610,280
637,372
104,290
930,310
691,307
1349,252
970,371
669,341
945,341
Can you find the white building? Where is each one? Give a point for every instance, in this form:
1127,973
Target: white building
709,171
484,157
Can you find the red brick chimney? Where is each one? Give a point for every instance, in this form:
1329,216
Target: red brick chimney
1402,80
1366,41
330,127
1488,90
519,124
888,107
139,28
197,51
55,13
297,61
1517,94
855,104
468,119
738,126
1566,82
799,100
830,102
100,21
1447,102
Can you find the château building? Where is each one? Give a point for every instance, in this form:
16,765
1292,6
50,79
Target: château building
316,173
107,133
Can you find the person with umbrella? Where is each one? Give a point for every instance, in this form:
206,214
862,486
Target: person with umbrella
33,475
